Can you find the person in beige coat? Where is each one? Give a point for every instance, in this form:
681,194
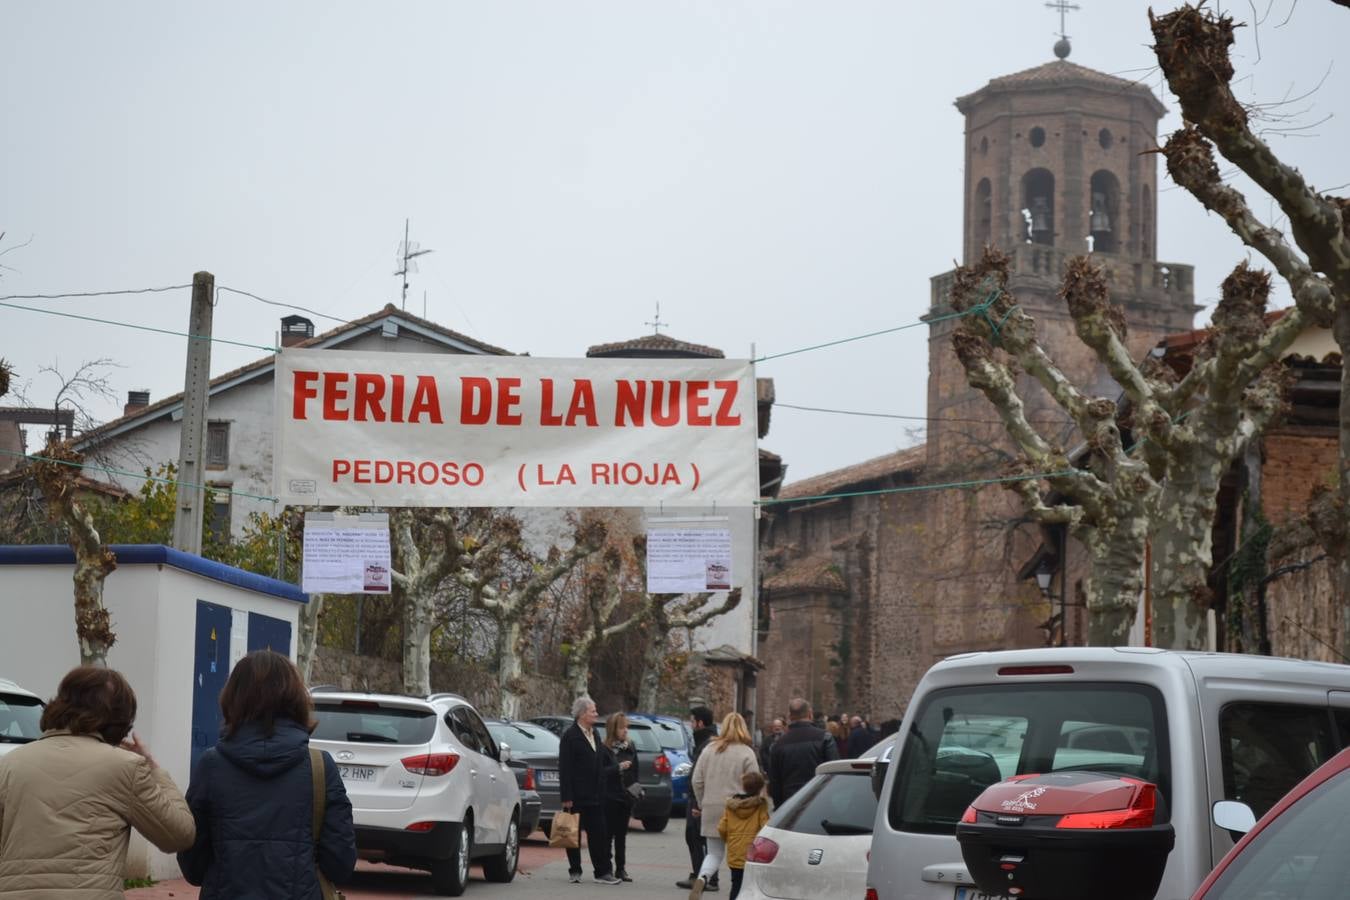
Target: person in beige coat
69,800
719,775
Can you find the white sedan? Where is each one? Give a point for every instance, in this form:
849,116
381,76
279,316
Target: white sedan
816,843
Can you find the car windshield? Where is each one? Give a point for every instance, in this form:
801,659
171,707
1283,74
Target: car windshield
642,736
671,736
524,738
963,740
19,719
369,723
1301,854
839,803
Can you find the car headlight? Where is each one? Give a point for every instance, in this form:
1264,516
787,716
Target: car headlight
683,770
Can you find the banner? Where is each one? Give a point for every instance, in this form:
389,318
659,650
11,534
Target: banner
346,554
406,429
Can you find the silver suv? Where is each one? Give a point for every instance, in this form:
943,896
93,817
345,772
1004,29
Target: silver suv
430,788
20,713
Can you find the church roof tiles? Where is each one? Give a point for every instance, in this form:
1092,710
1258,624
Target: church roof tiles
857,476
810,574
1059,73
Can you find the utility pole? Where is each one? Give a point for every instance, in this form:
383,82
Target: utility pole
187,520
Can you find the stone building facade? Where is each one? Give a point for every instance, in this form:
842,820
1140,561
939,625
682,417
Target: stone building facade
861,594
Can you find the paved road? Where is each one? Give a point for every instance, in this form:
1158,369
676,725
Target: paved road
656,862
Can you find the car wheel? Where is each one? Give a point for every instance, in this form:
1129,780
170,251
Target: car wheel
451,876
655,824
502,867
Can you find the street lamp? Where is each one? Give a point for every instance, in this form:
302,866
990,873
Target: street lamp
1044,574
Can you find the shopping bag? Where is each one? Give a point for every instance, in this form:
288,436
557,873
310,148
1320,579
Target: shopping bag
565,831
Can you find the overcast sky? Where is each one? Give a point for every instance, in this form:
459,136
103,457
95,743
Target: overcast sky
774,174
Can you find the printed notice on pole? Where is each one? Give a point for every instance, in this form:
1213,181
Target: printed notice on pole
688,561
346,554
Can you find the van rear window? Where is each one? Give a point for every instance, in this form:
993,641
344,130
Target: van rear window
373,724
962,740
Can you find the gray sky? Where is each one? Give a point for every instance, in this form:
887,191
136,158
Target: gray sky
775,174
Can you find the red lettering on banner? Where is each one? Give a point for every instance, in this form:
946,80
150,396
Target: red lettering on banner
341,467
475,403
425,401
670,415
303,392
694,397
599,473
724,414
361,471
366,397
508,398
333,391
583,404
633,473
547,417
631,400
396,402
564,476
407,471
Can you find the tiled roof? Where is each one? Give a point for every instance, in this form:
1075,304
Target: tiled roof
1056,74
863,473
806,575
266,363
654,345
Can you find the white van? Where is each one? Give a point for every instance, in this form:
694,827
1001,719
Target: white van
1203,727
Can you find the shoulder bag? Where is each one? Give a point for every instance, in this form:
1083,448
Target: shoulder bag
316,768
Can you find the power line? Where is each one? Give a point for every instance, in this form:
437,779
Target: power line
879,415
312,312
142,475
150,290
151,328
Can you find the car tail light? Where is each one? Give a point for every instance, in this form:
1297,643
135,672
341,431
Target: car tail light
762,850
1036,670
529,779
360,704
871,894
431,763
971,816
421,826
662,765
1138,815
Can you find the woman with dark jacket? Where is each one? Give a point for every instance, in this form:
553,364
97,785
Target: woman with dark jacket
621,788
253,795
581,788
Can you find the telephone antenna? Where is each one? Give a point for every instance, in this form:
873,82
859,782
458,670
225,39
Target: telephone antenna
408,251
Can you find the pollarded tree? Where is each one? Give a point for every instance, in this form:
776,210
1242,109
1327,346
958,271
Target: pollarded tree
1192,45
1162,486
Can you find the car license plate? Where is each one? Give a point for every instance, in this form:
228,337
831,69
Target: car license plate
356,773
547,777
972,893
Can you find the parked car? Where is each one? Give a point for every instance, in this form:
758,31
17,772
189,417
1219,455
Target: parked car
816,843
430,788
531,804
536,747
654,773
20,713
555,724
1202,727
1298,847
677,741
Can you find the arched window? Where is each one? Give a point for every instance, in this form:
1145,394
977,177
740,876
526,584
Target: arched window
1038,206
984,215
1104,213
1146,249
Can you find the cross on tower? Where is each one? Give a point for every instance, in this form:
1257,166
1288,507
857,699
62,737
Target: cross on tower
1063,6
656,323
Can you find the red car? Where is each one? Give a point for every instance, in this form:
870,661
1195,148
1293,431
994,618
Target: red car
1297,850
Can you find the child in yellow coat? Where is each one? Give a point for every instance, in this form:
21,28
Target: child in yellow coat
745,814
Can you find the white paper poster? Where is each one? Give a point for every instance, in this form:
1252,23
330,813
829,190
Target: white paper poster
413,429
346,554
688,561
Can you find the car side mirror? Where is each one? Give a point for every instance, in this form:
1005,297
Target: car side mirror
1231,815
505,749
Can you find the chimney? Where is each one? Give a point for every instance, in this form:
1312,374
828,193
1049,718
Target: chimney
295,329
136,400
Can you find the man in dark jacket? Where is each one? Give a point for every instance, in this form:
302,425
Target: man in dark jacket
581,760
861,738
794,757
701,720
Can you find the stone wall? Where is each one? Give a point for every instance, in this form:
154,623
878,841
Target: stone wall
477,684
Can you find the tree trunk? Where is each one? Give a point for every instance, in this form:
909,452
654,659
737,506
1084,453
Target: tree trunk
577,671
307,638
418,610
1341,331
93,562
1183,546
1115,582
509,667
653,659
